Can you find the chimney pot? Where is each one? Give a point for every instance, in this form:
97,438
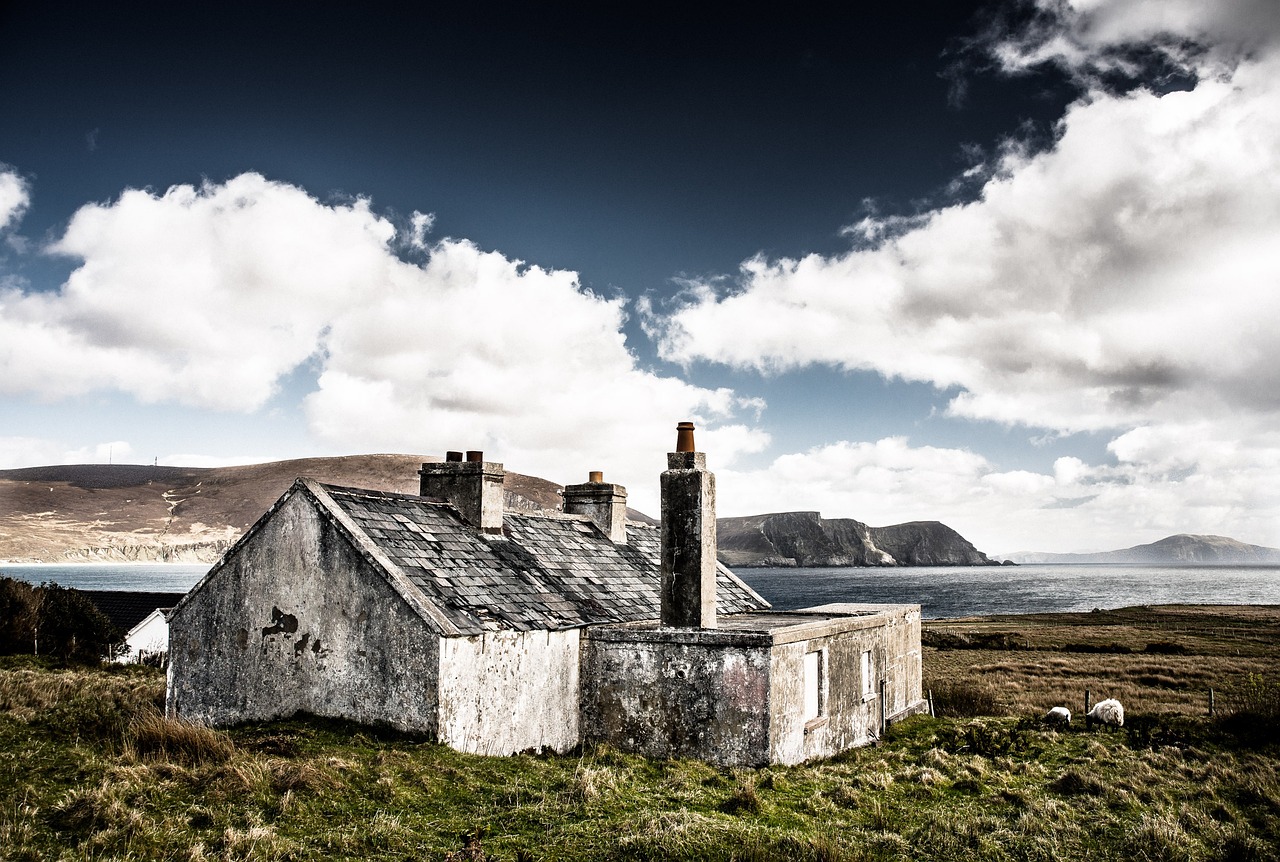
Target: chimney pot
595,476
452,457
475,457
684,437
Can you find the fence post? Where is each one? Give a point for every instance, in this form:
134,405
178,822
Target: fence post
1088,722
932,714
884,707
1210,702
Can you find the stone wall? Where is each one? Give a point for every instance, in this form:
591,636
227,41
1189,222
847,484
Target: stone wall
736,695
677,693
296,620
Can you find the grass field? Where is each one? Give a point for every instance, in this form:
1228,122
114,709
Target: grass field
90,770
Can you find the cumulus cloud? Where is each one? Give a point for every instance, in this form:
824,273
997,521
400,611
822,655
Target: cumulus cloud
208,296
1120,277
1091,38
1159,486
14,197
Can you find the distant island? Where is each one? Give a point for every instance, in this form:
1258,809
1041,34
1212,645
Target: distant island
1182,549
806,539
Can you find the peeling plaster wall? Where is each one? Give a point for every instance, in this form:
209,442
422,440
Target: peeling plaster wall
297,620
679,696
849,717
509,691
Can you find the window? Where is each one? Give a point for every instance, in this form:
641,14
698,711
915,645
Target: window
868,675
815,694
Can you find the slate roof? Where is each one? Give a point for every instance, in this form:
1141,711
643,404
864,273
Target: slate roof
546,571
127,608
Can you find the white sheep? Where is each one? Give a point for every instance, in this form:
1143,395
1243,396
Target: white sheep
1108,711
1058,715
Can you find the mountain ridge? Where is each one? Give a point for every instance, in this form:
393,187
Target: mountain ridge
1178,549
141,513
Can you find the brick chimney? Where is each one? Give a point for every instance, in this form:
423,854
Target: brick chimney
602,502
473,486
688,536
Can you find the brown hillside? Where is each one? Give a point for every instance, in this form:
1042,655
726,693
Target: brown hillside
184,514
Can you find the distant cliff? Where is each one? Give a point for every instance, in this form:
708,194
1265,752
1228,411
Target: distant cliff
1183,549
808,539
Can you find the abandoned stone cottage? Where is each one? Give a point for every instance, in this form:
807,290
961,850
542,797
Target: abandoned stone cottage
497,632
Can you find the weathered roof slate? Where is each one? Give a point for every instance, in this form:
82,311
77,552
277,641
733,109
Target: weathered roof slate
546,571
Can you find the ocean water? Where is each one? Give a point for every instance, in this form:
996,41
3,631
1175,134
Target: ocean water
143,577
981,590
941,591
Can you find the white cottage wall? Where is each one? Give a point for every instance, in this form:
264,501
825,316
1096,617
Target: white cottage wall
296,620
509,691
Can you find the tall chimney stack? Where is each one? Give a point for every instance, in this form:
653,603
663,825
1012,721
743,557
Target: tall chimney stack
602,502
688,536
473,487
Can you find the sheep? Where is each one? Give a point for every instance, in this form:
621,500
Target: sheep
1108,711
1058,715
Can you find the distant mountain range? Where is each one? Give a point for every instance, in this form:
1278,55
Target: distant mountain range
1182,549
808,539
122,512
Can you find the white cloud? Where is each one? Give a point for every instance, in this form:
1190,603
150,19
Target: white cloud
1094,36
202,296
1123,276
208,296
1172,481
27,452
14,197
420,224
111,452
474,351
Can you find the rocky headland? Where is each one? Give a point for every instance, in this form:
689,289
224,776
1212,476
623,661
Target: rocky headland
807,539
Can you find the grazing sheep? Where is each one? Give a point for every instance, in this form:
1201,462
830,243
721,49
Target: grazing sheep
1108,711
1058,715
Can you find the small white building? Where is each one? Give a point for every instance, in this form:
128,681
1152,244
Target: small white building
148,641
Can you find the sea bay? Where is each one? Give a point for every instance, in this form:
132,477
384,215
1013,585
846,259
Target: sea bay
955,591
944,591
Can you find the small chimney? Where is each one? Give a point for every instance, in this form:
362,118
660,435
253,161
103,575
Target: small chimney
602,502
688,536
473,486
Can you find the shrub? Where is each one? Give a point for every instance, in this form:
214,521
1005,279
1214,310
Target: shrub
71,627
964,699
54,621
152,736
19,608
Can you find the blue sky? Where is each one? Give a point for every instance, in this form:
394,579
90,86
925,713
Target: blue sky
1005,265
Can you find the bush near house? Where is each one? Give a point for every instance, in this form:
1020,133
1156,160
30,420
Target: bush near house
53,620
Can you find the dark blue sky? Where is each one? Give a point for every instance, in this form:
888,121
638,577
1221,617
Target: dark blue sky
627,147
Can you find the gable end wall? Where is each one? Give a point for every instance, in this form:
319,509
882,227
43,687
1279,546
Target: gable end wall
296,620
